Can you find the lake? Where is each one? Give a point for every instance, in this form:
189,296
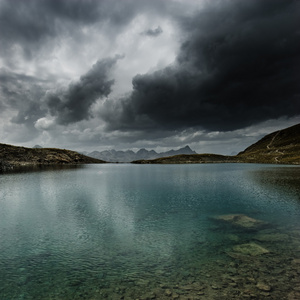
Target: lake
122,231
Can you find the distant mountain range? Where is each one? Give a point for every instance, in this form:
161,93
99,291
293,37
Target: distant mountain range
279,147
129,155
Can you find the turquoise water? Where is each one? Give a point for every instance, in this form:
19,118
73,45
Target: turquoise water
121,231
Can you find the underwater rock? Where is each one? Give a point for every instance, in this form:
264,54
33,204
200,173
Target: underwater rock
271,237
296,261
168,292
263,287
148,296
251,249
294,296
175,296
233,237
242,221
191,287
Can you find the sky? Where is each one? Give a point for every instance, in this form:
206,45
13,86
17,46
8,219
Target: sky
86,75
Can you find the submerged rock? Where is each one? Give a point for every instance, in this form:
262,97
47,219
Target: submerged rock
296,261
242,221
233,237
263,287
271,237
294,295
251,249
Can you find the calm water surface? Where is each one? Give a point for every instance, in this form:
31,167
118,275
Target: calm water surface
148,232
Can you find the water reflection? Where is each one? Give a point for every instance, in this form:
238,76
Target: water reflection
285,179
42,168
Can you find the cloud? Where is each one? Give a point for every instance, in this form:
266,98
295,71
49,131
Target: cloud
73,104
153,32
45,44
32,28
45,124
21,94
217,66
237,66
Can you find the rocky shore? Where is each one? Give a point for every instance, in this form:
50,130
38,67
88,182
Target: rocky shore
5,166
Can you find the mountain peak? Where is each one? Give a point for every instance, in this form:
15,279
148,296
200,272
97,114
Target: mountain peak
186,150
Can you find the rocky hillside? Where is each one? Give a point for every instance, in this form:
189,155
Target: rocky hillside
12,156
280,147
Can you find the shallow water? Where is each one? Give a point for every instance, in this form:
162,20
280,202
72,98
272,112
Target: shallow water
149,232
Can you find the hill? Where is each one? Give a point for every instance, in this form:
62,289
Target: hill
14,156
280,147
189,159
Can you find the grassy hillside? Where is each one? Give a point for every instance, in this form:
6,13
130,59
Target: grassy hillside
189,159
11,156
280,147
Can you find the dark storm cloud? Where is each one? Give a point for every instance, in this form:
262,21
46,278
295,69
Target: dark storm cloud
20,102
30,24
74,104
153,32
22,93
239,65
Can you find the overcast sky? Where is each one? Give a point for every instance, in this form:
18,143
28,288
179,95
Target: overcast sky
125,74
